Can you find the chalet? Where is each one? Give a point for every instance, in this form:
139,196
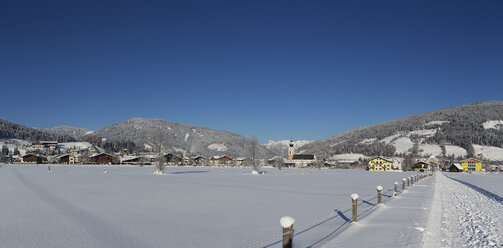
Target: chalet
494,167
220,160
455,168
198,160
303,160
288,163
34,159
45,144
433,162
67,159
421,166
380,164
103,158
173,159
343,164
240,161
471,164
130,160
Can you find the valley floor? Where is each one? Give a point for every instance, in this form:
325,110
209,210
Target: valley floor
82,206
440,211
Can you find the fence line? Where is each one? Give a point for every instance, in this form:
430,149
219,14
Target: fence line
275,239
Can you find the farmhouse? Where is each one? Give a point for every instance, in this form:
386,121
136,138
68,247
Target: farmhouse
380,164
67,159
130,160
240,161
471,164
219,160
173,159
103,158
45,144
455,168
421,166
33,158
198,160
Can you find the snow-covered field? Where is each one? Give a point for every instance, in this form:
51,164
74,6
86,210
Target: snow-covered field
81,206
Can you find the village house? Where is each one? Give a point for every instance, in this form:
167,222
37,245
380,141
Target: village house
33,159
220,160
455,168
45,144
67,159
103,158
380,164
421,166
198,160
240,161
132,160
471,164
173,159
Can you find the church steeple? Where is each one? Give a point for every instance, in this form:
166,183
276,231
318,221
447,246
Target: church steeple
290,149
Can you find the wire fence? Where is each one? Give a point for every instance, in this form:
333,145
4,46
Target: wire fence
275,239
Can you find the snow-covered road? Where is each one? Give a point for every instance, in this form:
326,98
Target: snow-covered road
463,217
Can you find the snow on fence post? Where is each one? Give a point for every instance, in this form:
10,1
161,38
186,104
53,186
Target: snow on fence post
354,198
403,183
287,224
395,189
379,194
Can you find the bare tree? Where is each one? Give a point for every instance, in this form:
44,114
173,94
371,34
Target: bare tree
159,140
253,147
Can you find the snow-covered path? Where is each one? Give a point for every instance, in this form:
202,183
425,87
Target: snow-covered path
465,217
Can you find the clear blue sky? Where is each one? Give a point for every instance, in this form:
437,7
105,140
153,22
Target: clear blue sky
307,69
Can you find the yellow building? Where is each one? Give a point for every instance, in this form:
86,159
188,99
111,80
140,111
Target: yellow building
471,164
380,164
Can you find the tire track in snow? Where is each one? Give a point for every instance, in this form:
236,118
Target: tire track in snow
102,231
469,218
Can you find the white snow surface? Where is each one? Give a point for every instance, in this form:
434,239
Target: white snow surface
430,149
455,150
75,145
348,156
187,136
463,215
218,147
81,206
489,152
286,221
492,124
402,144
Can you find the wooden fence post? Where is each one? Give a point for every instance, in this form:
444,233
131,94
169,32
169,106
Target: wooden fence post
403,183
287,224
395,189
354,198
408,181
379,194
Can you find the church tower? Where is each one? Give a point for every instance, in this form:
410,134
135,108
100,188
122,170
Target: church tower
290,149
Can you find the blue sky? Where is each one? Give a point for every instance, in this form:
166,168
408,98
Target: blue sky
307,69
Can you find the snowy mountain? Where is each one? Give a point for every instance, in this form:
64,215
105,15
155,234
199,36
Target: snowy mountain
469,130
9,130
281,147
180,137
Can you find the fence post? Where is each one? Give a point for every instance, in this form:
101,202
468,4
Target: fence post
354,198
48,168
403,183
411,180
395,189
287,224
408,181
379,194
